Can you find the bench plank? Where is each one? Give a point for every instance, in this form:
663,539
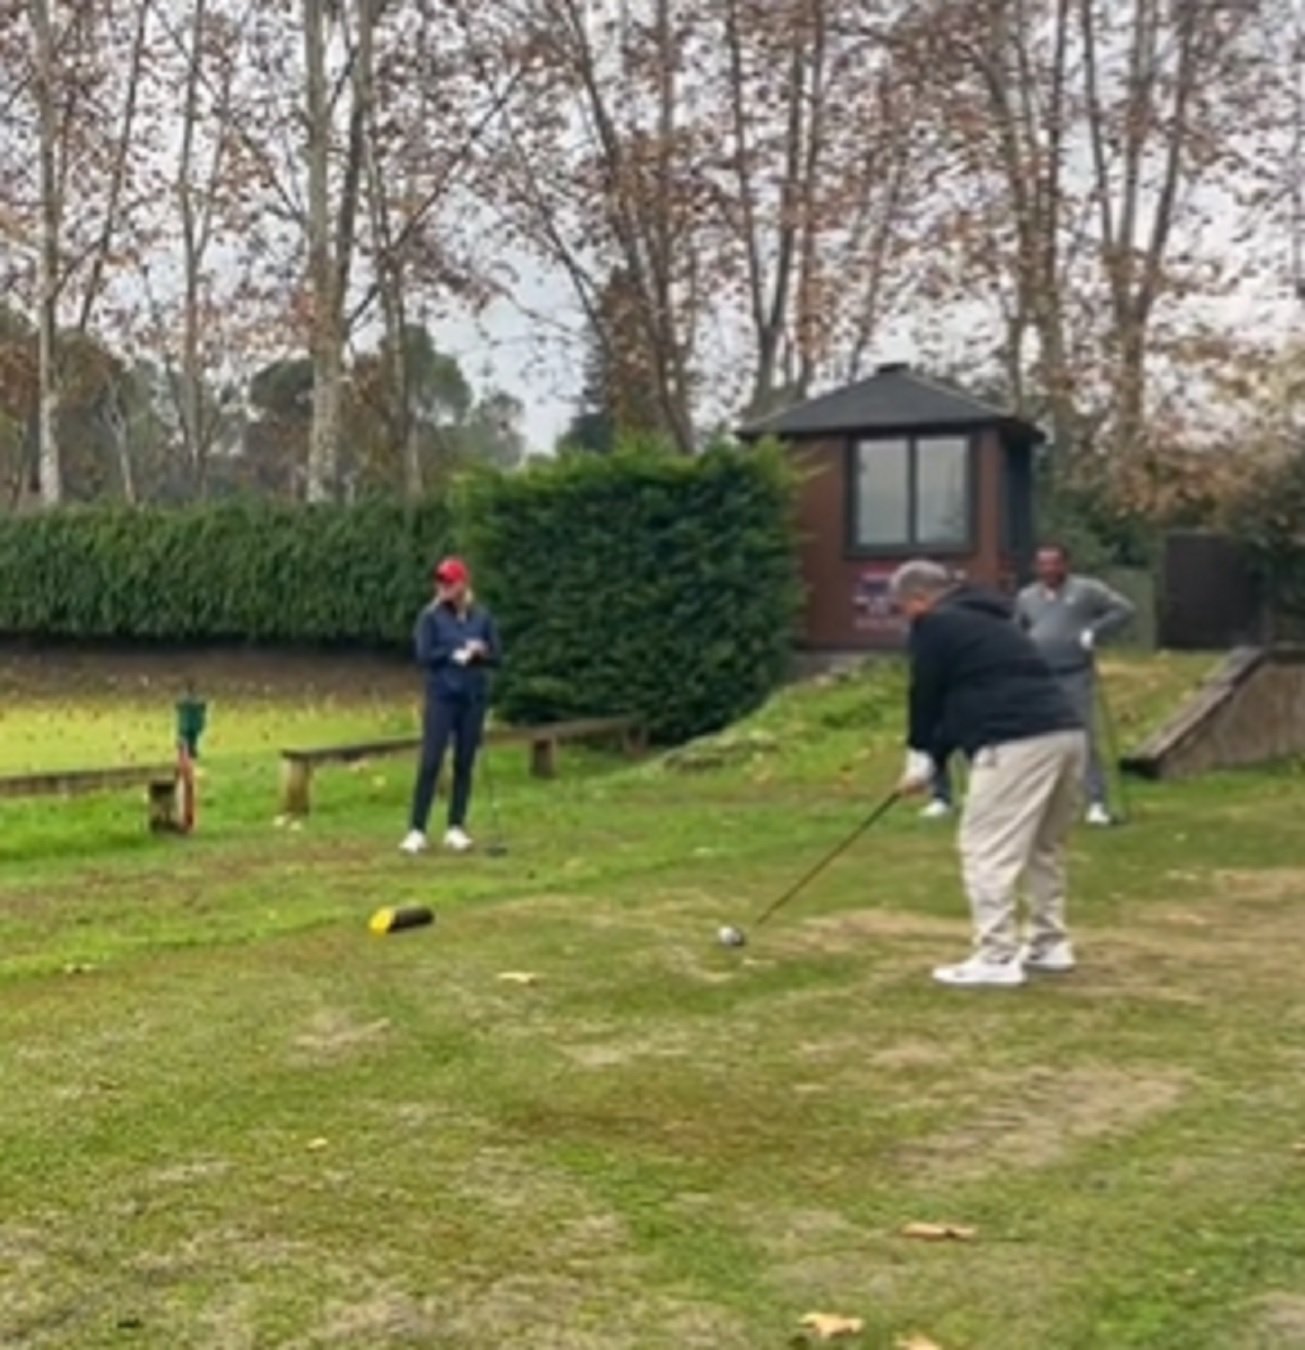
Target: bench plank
77,781
297,765
581,729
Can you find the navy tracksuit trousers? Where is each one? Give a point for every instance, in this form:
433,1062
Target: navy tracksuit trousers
460,721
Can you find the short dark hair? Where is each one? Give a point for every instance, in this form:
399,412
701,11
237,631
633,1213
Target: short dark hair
1054,546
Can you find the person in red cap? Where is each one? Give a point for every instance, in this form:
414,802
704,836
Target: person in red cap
457,643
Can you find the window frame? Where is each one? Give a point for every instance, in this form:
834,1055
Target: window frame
854,548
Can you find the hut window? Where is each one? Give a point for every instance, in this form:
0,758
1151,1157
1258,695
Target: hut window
912,493
883,493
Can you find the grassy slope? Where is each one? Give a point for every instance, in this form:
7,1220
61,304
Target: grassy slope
251,1124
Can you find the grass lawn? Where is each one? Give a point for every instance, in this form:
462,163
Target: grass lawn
230,1117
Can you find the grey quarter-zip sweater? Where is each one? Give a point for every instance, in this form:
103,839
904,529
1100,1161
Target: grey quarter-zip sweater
1057,620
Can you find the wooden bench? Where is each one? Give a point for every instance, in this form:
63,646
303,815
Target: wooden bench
159,780
297,765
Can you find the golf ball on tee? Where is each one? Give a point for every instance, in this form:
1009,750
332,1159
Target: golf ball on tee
730,936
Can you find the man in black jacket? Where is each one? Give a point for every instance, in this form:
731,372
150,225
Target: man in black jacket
979,684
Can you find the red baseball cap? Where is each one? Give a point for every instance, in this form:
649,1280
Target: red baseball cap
452,572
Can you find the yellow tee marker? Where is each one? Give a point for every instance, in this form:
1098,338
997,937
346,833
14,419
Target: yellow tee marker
391,920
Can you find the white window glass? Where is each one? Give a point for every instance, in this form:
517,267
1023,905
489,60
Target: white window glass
942,499
883,494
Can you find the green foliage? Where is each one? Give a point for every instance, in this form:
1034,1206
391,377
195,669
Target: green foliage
1079,510
637,582
253,571
1268,517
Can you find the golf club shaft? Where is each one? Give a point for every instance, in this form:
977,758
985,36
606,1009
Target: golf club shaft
798,887
487,779
1112,749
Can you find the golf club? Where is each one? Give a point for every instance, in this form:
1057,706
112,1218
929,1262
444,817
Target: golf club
731,936
496,848
1124,813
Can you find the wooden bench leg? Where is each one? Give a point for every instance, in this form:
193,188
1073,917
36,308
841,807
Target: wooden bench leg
162,799
634,742
296,787
543,757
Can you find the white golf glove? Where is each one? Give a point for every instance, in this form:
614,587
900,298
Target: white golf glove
462,656
918,773
1087,639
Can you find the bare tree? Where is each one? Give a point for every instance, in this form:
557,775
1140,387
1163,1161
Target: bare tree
600,171
824,146
204,192
50,187
77,96
1096,146
428,115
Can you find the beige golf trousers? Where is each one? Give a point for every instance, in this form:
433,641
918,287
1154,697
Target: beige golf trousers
1022,800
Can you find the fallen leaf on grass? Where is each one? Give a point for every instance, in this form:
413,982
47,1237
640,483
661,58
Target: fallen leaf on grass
316,1145
829,1326
518,977
917,1343
938,1232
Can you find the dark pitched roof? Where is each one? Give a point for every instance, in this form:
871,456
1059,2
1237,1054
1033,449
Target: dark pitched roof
894,398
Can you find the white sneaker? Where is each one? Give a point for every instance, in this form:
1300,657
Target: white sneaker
1098,815
936,810
976,973
457,840
414,842
1057,959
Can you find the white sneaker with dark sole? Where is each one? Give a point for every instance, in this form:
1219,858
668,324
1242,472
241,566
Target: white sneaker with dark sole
936,810
457,840
414,842
1054,960
1098,816
977,973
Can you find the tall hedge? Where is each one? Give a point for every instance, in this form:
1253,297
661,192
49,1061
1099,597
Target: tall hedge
637,583
1268,517
249,571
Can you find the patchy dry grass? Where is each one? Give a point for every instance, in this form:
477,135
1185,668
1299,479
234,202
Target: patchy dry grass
231,1118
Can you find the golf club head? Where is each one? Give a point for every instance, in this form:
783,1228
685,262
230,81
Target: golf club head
496,850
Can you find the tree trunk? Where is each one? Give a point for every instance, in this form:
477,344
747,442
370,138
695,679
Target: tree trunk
49,466
192,376
118,424
326,339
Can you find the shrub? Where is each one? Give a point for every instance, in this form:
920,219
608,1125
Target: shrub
638,583
254,571
1268,518
628,583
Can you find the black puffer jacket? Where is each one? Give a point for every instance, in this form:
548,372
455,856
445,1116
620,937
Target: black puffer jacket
977,680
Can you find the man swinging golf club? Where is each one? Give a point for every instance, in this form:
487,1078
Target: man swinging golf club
978,683
457,642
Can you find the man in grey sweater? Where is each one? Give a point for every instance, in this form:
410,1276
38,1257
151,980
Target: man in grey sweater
1067,616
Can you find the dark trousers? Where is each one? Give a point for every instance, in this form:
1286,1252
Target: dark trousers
944,786
458,720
